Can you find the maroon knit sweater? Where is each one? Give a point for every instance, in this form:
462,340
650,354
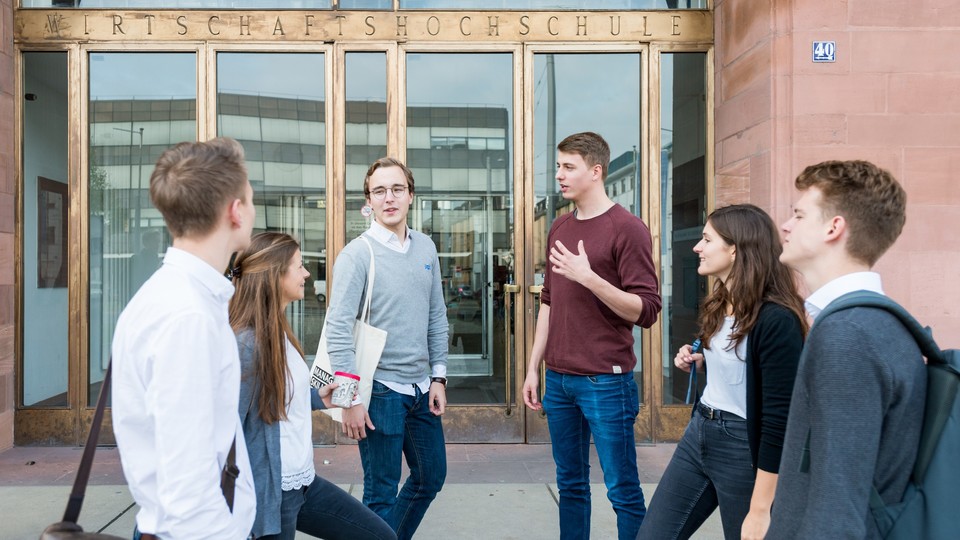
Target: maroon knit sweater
586,337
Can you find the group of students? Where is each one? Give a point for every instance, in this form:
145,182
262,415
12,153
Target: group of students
787,439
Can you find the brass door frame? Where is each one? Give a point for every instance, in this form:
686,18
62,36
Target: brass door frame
669,421
482,422
66,425
537,431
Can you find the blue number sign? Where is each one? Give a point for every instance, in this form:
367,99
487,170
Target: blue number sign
824,51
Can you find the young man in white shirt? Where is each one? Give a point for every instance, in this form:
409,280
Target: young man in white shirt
176,370
858,400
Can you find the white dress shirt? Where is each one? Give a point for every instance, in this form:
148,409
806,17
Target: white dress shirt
176,384
857,281
388,238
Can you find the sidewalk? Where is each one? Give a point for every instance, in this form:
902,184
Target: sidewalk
492,491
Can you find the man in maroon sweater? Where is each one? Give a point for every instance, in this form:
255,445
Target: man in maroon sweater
600,283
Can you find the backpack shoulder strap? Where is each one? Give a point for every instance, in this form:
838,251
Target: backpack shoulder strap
922,334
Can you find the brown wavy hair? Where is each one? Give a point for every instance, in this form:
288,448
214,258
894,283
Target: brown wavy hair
757,275
257,305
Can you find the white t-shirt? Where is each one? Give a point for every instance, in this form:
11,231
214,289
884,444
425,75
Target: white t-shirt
726,372
296,444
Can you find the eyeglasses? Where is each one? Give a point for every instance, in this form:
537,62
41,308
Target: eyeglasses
381,193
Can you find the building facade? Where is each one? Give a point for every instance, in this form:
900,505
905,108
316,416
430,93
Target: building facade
704,104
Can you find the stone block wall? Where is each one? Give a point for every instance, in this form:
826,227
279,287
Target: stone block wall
7,213
890,98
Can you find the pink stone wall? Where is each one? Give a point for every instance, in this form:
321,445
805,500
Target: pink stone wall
7,201
891,98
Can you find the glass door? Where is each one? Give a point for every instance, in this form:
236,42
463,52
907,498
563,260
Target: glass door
570,91
459,135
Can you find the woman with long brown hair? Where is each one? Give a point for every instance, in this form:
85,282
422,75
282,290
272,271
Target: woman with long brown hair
752,326
276,400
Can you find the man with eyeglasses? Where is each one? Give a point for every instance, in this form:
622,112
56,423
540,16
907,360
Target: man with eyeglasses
409,385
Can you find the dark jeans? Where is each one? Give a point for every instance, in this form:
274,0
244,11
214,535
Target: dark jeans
325,511
711,466
405,428
605,406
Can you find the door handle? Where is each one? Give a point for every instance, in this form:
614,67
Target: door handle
509,291
535,291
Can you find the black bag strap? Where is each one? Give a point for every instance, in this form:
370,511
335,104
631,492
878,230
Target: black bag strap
75,502
941,390
229,474
228,477
922,334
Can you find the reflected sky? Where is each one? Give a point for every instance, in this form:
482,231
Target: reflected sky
366,78
290,75
460,79
593,92
143,75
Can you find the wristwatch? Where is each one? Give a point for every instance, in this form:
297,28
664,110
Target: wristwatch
441,380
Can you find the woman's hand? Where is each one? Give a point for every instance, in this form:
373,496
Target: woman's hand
686,358
326,394
755,525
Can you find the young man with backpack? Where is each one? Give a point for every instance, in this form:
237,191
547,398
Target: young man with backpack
858,401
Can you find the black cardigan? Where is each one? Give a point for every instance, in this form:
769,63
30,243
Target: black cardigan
773,353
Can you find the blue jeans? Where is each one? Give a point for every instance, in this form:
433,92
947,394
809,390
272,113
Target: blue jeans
605,406
405,428
325,511
711,466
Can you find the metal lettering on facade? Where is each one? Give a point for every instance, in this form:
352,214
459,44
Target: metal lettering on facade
327,26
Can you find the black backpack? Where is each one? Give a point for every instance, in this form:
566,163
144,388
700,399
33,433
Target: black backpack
929,507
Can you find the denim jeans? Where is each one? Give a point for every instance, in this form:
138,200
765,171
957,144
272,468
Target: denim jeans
605,406
325,511
404,428
711,466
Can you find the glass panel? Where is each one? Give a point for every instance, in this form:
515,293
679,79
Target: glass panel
459,120
683,141
180,4
140,104
563,105
366,129
279,118
366,4
552,4
45,204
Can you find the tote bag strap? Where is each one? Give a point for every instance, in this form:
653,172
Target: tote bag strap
75,502
365,314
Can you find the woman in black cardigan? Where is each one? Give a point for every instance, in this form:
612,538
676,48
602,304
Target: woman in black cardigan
752,325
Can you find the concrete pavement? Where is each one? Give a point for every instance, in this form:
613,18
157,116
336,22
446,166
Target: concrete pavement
492,491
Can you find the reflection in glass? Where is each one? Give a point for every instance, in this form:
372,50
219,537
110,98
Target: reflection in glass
459,124
552,4
44,251
366,129
180,4
366,4
585,92
279,118
140,104
683,124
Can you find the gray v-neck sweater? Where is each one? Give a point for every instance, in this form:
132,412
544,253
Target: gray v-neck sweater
407,303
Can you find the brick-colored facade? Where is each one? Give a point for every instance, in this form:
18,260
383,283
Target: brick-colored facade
890,98
8,193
